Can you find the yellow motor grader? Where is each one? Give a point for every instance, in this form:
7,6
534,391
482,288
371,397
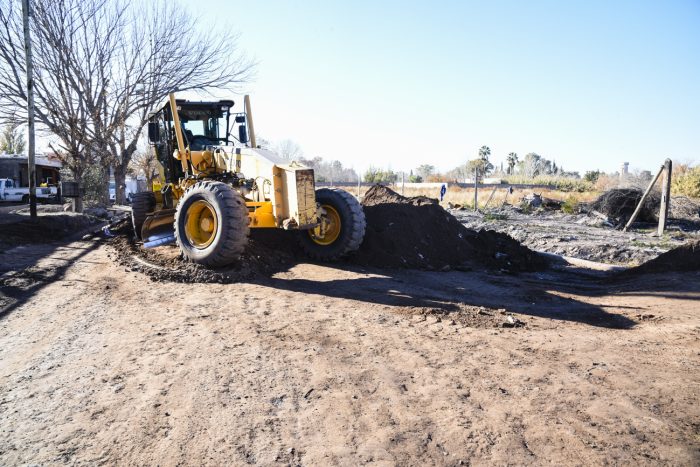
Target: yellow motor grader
217,184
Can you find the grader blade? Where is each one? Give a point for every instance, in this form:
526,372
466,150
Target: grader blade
158,229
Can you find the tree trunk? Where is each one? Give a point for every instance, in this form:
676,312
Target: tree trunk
120,182
78,201
104,186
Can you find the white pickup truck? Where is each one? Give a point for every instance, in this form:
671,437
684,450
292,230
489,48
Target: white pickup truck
11,192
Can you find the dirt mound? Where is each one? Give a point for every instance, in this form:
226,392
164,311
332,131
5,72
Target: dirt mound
682,258
683,207
379,194
620,203
419,233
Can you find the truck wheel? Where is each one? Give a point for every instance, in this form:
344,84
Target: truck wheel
344,226
144,203
211,224
25,199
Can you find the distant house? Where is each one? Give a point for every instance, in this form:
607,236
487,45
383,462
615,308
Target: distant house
15,167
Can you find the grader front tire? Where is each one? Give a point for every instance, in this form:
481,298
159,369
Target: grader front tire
344,227
211,224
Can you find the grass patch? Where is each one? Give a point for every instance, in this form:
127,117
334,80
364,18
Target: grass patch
495,216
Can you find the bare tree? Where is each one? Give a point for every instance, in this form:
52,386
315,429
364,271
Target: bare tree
145,163
289,150
12,139
103,64
60,94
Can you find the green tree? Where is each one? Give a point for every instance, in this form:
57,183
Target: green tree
484,152
592,176
512,160
424,171
12,139
481,166
374,175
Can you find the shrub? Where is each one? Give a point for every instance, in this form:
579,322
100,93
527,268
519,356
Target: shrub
570,206
686,181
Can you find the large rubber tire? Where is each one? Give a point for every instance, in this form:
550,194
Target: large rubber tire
230,217
352,226
143,203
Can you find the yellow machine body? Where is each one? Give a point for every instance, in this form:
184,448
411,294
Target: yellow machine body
281,196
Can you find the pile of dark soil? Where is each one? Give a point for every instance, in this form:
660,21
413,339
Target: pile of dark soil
379,194
22,230
620,203
419,233
681,259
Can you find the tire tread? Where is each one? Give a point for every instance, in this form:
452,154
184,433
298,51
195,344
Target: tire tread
235,226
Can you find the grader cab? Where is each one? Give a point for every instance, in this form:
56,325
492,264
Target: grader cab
216,185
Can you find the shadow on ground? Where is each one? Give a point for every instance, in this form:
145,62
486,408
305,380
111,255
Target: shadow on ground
27,269
551,294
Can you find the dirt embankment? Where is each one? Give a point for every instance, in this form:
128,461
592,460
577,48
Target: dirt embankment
680,259
48,227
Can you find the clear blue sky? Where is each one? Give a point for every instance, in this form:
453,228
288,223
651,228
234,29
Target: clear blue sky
398,83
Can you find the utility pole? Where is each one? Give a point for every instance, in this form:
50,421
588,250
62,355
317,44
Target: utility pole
31,163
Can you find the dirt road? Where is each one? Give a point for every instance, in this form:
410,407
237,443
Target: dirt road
325,365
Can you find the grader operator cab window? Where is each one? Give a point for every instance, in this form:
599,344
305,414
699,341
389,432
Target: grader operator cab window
205,123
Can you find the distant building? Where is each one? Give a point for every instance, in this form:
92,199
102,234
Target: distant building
15,167
624,170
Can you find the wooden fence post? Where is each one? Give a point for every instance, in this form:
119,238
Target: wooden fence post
476,190
644,197
665,196
490,196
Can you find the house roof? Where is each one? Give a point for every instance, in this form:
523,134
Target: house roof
40,159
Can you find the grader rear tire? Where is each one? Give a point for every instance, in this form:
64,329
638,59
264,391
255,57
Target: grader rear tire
211,224
142,203
345,226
